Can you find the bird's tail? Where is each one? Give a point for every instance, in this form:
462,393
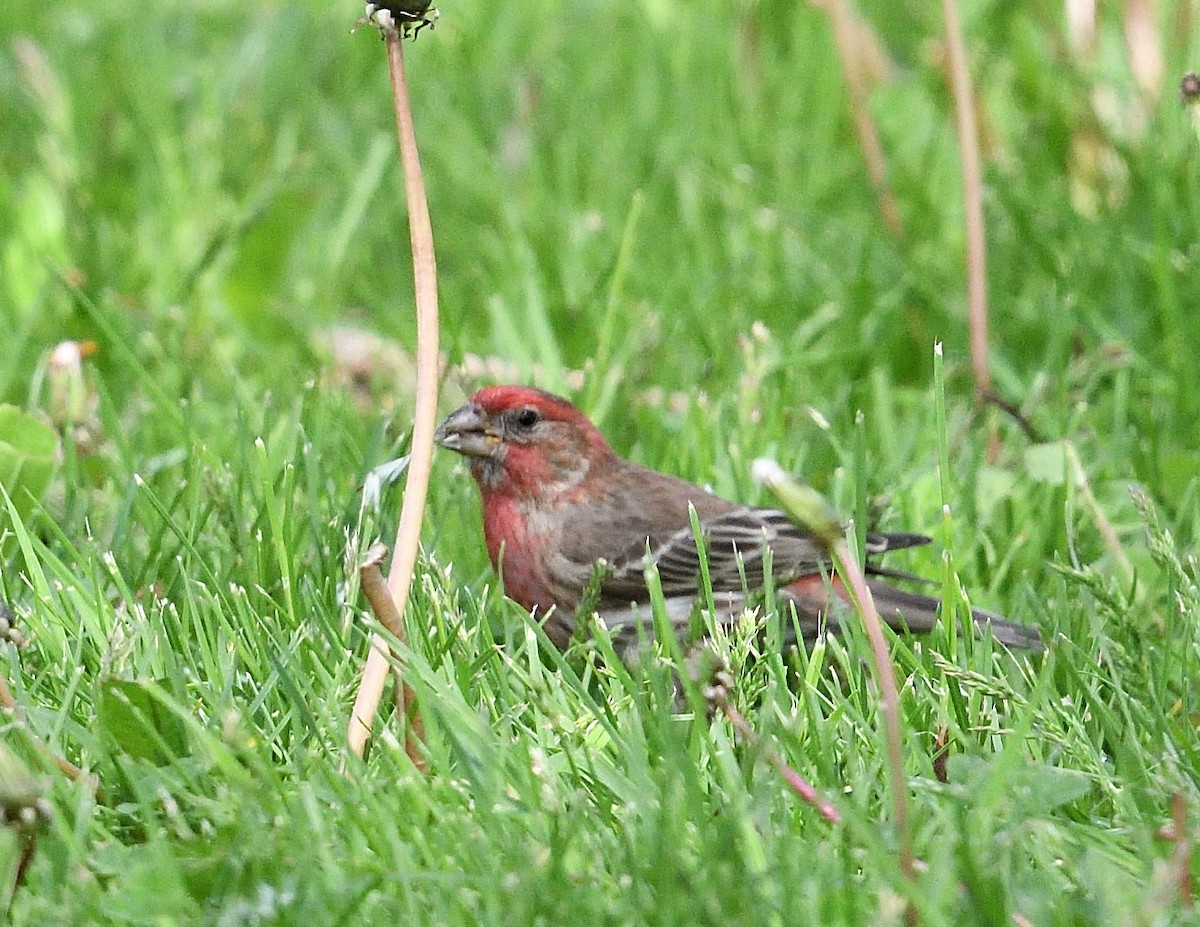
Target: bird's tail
900,609
918,613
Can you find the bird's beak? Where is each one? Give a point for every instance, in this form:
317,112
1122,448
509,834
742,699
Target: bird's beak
468,431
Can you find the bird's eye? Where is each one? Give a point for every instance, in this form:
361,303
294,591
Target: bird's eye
527,417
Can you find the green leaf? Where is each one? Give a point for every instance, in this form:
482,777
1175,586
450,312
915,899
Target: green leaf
1177,473
1035,789
148,888
28,452
140,722
1048,463
18,787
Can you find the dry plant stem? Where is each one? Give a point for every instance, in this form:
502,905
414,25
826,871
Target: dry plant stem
1145,46
1081,27
1107,532
6,697
425,414
941,754
382,604
795,781
25,861
886,678
968,145
70,770
844,37
1013,411
370,689
806,507
1181,859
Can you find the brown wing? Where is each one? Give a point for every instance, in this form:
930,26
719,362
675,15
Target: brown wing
659,521
741,534
731,533
736,542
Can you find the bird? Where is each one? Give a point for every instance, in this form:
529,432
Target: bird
568,521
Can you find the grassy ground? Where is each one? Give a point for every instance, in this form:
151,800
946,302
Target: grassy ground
203,190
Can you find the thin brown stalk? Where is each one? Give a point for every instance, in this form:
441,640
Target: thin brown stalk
24,862
1081,27
384,606
941,754
885,677
1181,858
1108,533
810,510
1144,44
796,782
846,38
972,177
425,415
1013,411
6,697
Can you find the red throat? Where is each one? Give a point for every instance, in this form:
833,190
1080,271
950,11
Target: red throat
513,548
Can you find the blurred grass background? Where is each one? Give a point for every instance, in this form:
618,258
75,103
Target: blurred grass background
206,190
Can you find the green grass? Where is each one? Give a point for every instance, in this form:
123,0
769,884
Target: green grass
203,189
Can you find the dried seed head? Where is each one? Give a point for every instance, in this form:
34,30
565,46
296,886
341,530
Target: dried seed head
8,626
1189,93
1189,88
407,17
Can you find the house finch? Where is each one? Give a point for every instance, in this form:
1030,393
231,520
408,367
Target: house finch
558,501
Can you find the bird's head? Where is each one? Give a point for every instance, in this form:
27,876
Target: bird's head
524,441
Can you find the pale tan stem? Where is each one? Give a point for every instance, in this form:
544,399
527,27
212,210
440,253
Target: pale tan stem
796,782
972,178
807,508
1108,533
1144,43
408,534
846,40
885,677
384,607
